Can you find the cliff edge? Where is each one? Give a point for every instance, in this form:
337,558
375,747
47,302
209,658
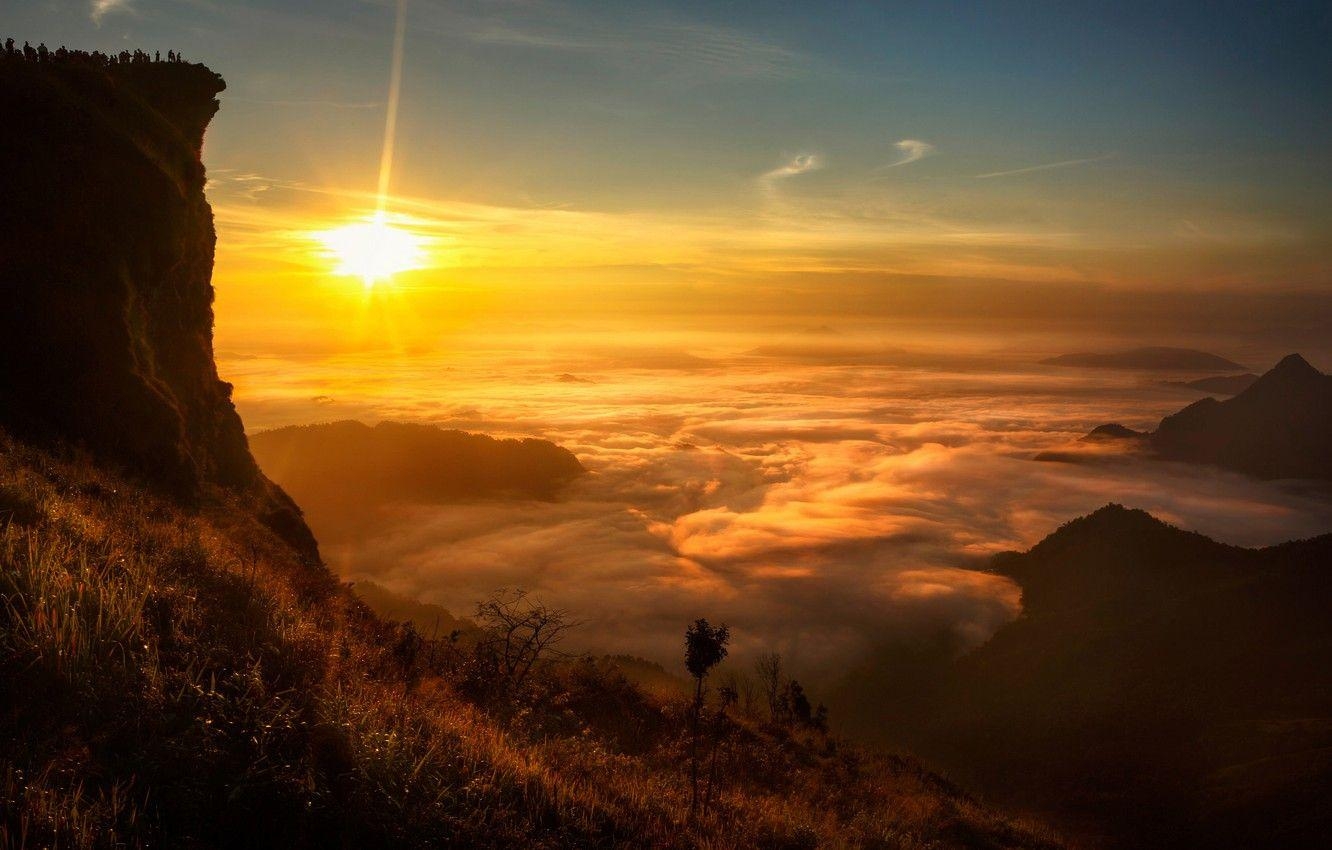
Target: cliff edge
106,257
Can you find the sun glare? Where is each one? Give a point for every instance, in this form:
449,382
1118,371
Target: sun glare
373,250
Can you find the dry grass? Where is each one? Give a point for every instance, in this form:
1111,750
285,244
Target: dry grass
176,677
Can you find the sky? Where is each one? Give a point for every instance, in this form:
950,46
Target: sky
543,146
780,274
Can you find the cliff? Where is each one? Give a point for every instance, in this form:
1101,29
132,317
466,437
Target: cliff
106,255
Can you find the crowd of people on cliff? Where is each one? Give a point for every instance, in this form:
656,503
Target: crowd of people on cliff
40,53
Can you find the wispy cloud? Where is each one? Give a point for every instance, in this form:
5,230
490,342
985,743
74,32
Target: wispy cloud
1048,166
102,8
910,150
679,45
331,104
230,183
800,164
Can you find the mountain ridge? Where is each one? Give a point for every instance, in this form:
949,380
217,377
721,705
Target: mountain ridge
1151,357
344,474
1151,672
1277,427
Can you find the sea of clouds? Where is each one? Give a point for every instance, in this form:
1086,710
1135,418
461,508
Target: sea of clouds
820,495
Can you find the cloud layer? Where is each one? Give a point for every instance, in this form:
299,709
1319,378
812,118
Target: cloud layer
820,498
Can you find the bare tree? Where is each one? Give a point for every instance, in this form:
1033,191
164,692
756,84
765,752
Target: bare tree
519,632
745,688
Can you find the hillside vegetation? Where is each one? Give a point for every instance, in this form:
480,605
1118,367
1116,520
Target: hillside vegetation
179,676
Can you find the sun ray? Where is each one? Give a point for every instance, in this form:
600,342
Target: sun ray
374,250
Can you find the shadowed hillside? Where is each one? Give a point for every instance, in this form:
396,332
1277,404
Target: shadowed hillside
176,676
1160,686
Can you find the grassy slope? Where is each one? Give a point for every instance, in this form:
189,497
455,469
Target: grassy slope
176,677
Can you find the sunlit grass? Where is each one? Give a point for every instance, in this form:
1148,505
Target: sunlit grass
172,670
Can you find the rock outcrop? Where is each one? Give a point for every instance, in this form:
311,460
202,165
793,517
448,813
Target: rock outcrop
106,256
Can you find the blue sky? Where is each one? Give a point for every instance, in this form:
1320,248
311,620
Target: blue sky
1107,130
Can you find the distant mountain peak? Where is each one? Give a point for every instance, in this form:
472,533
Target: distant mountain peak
1112,432
1120,528
1113,516
1290,379
1145,651
1294,365
1275,428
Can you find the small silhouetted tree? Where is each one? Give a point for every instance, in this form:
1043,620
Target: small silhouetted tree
788,704
801,711
768,667
746,690
705,647
406,652
820,720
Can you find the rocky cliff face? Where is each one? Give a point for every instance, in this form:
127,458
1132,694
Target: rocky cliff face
106,255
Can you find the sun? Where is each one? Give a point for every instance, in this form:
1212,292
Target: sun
373,250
